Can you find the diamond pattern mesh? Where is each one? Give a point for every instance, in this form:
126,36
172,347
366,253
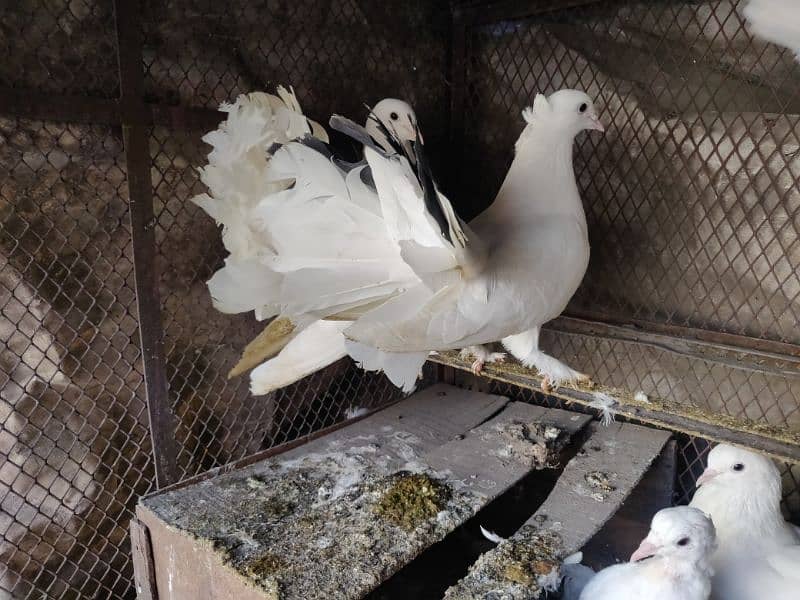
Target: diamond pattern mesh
337,55
690,196
74,444
59,46
691,451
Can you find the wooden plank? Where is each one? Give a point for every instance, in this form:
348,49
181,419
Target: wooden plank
621,534
507,447
591,488
780,443
334,518
144,573
424,421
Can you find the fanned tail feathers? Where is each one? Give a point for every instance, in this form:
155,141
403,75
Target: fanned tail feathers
323,244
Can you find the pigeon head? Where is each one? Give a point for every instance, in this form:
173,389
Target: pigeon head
742,472
569,111
678,534
397,116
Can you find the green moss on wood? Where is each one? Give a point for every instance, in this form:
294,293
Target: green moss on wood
411,499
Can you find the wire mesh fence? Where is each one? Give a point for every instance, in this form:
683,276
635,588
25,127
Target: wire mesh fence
75,450
691,200
691,194
74,433
692,203
691,451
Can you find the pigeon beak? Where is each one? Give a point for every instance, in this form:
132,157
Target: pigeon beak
707,476
406,132
645,550
596,124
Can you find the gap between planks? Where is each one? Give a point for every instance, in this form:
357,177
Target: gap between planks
592,487
202,546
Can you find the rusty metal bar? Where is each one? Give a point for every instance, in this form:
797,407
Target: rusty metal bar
735,350
685,423
490,12
30,104
137,156
457,98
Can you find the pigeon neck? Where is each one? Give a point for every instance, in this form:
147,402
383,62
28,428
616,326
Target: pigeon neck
752,519
678,569
541,180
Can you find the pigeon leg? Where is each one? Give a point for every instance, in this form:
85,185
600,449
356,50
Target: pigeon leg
482,355
525,347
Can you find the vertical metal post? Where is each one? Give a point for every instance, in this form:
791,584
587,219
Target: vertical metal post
458,81
137,156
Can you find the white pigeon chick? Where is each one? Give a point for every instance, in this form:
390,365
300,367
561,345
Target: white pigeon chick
672,563
759,552
777,21
371,260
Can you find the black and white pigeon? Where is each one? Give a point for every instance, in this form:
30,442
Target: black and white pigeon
758,554
371,260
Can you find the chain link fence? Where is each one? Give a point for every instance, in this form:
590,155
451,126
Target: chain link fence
691,200
77,392
691,195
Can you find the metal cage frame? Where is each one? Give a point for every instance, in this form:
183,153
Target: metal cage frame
130,108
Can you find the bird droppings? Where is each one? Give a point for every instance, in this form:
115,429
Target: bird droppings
535,444
323,524
516,566
411,499
600,484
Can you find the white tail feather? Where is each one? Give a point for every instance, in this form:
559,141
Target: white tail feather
314,348
402,368
311,238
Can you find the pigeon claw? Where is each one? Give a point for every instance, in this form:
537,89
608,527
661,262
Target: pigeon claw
482,356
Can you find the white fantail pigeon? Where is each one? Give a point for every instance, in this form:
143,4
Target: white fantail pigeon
371,260
777,21
758,554
672,563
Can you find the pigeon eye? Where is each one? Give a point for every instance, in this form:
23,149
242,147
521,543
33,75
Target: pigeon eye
583,107
738,467
393,116
683,541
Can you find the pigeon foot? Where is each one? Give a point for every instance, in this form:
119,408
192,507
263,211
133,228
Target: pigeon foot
555,373
482,356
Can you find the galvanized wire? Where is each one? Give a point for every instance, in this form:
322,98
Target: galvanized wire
691,199
691,196
75,451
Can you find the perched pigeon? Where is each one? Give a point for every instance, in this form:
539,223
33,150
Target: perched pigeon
371,260
777,21
398,118
672,563
759,553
